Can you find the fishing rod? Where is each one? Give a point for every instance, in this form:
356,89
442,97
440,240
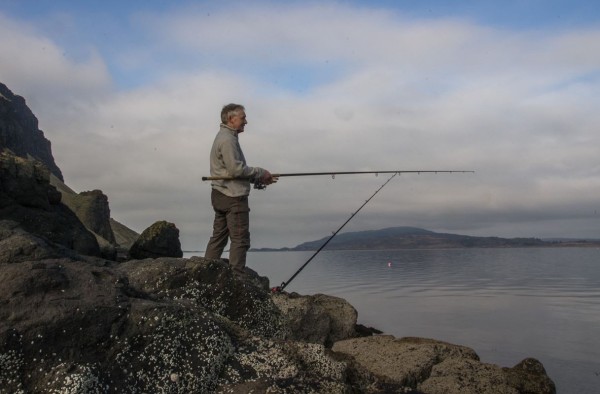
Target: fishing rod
260,186
279,289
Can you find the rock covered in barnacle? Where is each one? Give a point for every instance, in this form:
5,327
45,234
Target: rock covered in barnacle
78,327
210,284
266,366
173,350
192,326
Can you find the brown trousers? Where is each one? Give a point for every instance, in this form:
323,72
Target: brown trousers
232,220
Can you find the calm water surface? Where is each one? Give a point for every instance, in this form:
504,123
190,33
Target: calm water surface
506,304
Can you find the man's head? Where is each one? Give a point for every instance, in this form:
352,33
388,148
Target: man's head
234,116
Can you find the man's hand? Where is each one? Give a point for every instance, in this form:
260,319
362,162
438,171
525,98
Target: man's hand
268,179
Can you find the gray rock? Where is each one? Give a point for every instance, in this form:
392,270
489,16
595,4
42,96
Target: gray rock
159,240
529,376
436,367
58,225
78,327
210,284
317,318
454,376
17,245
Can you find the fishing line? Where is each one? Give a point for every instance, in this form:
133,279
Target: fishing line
279,289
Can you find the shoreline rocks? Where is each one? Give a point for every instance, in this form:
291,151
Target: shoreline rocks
193,326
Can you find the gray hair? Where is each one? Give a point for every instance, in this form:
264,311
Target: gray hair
230,110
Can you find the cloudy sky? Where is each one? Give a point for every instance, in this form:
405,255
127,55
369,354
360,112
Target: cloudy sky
129,93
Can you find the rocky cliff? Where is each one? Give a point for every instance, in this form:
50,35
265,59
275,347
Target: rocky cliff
20,135
19,131
30,204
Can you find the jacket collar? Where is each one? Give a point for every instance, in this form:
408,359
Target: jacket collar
229,129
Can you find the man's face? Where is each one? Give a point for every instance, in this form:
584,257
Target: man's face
238,121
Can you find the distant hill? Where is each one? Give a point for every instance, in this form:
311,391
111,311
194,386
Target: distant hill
418,238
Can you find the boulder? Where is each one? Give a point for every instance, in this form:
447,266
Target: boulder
529,376
159,240
317,318
78,327
436,367
212,285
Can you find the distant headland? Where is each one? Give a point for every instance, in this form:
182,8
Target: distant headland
418,238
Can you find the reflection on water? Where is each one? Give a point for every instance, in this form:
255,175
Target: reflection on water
507,304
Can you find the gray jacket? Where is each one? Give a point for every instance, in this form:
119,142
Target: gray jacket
227,160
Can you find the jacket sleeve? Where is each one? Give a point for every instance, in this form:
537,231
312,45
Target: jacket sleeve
235,163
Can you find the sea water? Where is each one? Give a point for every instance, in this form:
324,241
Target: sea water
506,304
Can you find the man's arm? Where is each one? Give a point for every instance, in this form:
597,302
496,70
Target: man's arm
234,161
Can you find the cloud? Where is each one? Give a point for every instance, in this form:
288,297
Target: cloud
378,90
38,67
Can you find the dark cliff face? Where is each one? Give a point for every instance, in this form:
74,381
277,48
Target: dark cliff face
19,131
21,138
30,204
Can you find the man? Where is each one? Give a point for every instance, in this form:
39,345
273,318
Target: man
230,198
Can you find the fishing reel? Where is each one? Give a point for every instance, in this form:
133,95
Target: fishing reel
258,185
